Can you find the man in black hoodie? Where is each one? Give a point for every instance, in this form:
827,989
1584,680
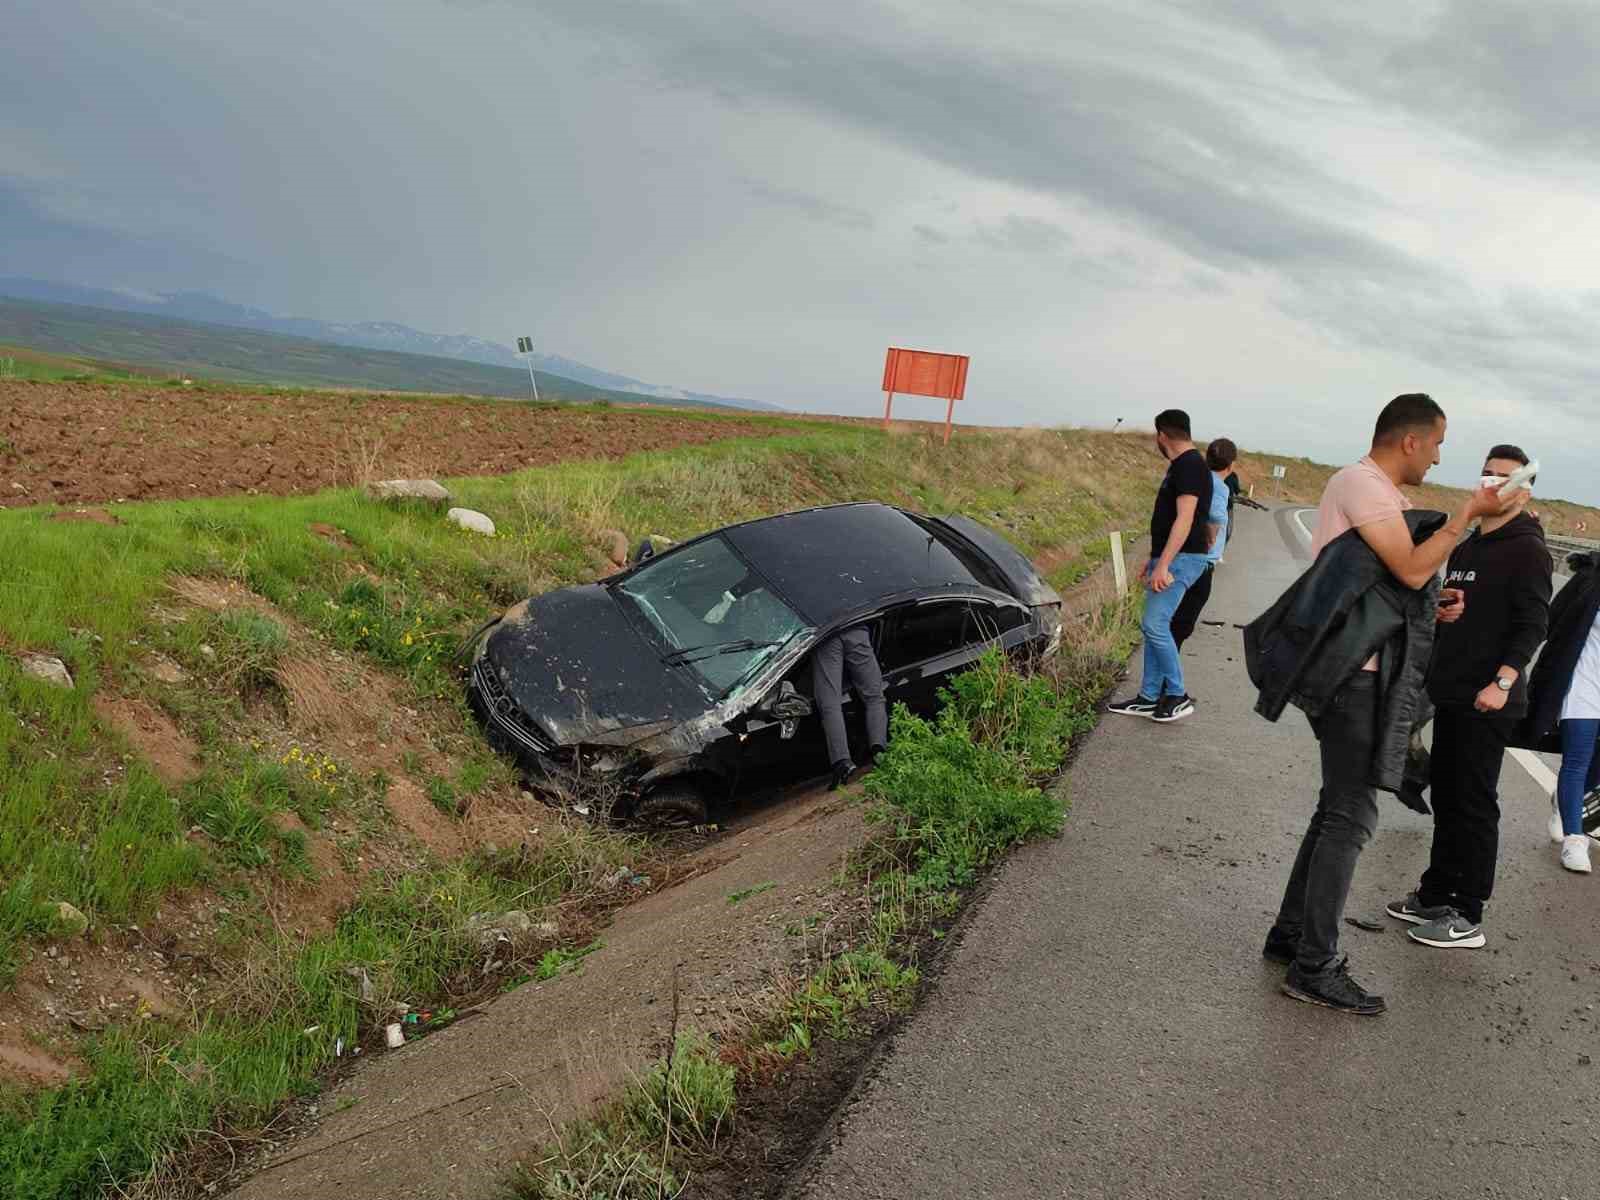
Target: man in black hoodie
1494,613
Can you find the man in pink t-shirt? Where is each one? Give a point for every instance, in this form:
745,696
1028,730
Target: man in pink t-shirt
1364,497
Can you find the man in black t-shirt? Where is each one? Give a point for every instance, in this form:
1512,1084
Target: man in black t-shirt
1178,548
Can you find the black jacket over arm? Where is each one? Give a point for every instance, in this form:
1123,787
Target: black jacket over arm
1343,610
1572,615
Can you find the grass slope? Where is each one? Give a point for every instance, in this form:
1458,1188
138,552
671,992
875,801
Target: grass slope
96,827
222,352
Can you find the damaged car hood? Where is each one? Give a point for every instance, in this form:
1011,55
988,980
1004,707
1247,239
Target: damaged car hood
576,666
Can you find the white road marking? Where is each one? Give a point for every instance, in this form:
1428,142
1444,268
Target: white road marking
1300,520
1541,774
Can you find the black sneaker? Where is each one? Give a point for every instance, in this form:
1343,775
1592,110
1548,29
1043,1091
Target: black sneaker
1137,707
1280,947
841,772
1173,708
1332,988
1413,910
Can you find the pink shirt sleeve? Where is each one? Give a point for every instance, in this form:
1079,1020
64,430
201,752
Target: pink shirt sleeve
1356,496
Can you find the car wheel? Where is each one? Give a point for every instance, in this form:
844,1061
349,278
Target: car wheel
672,805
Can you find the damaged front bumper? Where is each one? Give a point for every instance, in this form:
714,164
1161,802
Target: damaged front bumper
585,778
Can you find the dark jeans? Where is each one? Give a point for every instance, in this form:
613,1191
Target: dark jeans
1189,609
1464,777
1346,817
849,652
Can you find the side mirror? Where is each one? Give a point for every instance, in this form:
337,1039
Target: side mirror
787,704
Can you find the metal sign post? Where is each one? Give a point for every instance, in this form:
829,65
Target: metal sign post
525,348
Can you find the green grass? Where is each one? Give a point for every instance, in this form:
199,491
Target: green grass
746,893
642,1145
407,939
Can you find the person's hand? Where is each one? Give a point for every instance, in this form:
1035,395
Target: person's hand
1488,502
1160,578
1491,699
1452,603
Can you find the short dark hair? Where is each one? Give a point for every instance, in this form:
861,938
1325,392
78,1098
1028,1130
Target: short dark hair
1174,422
1507,451
1220,454
1414,410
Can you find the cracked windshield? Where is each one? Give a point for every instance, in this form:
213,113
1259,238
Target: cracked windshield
720,619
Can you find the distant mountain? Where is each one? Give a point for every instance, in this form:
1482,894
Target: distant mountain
372,335
118,339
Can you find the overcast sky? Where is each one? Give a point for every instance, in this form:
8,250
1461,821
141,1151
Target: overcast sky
1276,222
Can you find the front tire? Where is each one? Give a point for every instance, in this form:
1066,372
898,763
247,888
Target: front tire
672,806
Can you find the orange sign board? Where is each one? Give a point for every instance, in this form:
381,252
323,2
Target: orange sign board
924,373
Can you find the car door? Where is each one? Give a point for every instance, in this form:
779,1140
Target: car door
766,757
930,641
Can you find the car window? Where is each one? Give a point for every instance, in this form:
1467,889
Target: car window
925,631
703,601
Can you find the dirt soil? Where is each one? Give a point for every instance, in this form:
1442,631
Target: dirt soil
89,443
449,1115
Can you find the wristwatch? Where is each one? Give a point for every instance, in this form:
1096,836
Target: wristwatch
1504,684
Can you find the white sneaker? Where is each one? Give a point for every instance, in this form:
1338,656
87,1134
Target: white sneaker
1575,853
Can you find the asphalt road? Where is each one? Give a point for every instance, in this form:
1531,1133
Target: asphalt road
1106,1028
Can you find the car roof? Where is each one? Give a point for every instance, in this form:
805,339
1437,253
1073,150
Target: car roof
834,561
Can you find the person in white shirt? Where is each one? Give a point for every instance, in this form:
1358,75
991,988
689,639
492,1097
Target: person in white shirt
1564,705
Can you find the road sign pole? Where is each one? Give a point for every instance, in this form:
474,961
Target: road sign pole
888,403
525,348
1119,565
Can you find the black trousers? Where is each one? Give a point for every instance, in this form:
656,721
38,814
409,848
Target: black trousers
1468,750
1189,608
1340,828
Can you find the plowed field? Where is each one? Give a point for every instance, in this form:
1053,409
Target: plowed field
89,443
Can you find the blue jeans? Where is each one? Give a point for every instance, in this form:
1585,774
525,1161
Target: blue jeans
1580,771
1163,672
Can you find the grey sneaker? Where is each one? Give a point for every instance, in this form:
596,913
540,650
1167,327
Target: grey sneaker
1411,909
1448,932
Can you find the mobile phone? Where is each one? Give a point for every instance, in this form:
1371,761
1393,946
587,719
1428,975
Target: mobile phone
1520,478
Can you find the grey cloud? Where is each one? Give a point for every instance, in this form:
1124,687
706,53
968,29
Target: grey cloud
1025,235
1127,137
1517,75
1143,145
929,234
816,207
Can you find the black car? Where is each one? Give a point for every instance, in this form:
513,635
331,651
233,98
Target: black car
688,677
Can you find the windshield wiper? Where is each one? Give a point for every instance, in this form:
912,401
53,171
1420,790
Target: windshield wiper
678,657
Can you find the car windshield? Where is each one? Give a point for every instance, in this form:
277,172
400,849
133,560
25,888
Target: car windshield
717,617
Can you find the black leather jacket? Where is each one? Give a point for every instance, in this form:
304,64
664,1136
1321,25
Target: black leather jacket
1572,616
1345,608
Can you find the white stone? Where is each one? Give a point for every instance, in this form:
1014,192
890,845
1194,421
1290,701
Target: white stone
409,489
70,921
51,670
472,520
